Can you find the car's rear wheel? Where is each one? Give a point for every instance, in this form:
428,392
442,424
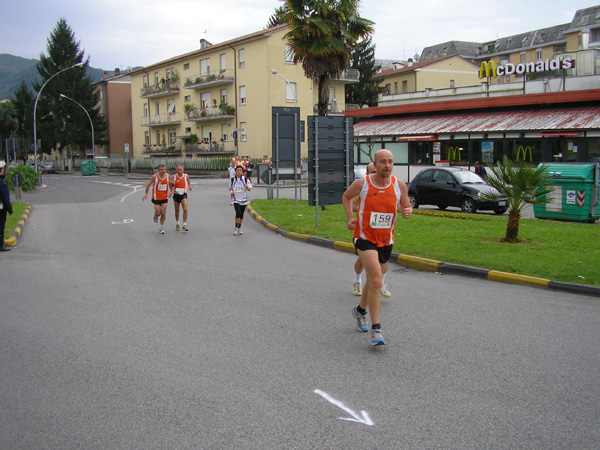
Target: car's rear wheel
468,205
413,201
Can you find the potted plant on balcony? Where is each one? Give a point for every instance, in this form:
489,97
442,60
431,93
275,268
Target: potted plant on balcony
188,108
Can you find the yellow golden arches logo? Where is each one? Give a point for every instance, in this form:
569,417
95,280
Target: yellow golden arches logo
524,150
452,153
489,68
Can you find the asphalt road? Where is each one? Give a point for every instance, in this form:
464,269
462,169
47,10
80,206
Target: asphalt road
114,336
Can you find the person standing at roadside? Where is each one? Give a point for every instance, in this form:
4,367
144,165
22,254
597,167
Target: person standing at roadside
5,205
480,170
239,187
379,195
160,195
180,185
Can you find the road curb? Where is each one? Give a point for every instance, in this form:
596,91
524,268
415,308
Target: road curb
12,241
432,265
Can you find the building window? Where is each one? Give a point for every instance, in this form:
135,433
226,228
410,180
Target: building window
188,129
289,54
388,88
523,58
157,108
145,109
223,61
170,73
404,86
244,136
224,95
205,100
145,80
224,131
171,106
241,58
290,92
186,66
242,95
146,138
452,84
395,87
206,134
156,78
187,98
538,54
205,67
595,35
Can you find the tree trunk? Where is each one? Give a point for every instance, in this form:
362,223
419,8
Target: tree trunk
323,95
512,227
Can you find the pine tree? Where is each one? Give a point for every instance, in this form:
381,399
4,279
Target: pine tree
366,90
277,18
62,124
23,102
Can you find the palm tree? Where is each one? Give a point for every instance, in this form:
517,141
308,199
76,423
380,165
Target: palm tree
322,34
521,183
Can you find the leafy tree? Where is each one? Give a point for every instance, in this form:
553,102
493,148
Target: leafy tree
64,124
521,183
322,34
277,18
23,102
363,59
8,124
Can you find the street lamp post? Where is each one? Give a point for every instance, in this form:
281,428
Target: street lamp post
91,123
274,72
35,108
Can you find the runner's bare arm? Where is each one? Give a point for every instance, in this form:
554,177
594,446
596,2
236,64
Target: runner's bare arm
348,201
405,205
148,187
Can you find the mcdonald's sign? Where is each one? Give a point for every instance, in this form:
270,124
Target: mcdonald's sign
489,68
524,150
452,153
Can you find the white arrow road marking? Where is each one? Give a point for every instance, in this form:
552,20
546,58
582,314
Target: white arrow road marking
122,222
365,419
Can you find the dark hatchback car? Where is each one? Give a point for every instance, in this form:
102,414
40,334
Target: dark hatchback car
453,186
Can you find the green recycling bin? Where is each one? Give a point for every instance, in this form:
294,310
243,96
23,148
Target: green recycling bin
88,167
575,195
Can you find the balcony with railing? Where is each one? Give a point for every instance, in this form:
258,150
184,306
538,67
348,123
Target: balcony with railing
161,120
162,150
160,89
207,148
335,109
209,79
348,76
222,112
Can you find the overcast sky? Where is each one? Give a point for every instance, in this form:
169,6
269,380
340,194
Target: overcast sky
124,33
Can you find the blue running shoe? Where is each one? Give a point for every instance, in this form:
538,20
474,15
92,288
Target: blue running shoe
361,320
377,338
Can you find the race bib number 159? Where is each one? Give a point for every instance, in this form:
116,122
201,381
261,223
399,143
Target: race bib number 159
381,220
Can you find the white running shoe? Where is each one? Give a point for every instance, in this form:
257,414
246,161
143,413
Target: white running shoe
377,337
240,231
384,291
162,230
235,232
357,286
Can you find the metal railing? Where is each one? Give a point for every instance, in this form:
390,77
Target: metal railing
161,119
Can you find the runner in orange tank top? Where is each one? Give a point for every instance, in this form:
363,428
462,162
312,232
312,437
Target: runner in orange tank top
160,195
180,185
379,194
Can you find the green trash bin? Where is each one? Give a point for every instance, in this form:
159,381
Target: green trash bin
85,168
88,167
575,195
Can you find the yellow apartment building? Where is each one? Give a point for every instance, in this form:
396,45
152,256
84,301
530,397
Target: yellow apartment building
217,100
444,72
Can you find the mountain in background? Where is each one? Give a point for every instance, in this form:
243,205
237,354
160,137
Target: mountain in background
13,69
